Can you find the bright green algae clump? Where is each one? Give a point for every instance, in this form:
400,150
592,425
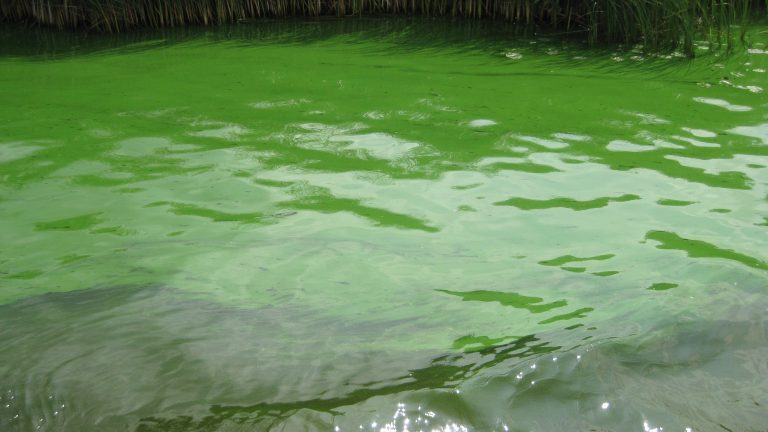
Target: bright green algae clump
253,227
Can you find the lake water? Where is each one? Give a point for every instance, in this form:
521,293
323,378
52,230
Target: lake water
380,226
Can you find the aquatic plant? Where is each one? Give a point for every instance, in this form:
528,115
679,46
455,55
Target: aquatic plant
658,24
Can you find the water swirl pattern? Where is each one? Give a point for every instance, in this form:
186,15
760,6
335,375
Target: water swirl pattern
380,226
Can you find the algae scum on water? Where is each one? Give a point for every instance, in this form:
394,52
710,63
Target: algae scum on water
380,225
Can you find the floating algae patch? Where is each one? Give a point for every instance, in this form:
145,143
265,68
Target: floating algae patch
702,249
565,259
73,223
562,202
509,299
675,203
662,286
320,224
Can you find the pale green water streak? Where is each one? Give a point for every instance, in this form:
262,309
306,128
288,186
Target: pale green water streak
397,225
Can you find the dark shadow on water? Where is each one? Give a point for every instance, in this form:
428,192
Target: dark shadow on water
155,359
559,50
407,34
99,349
442,373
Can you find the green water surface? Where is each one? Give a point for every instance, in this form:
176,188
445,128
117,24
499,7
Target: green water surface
380,225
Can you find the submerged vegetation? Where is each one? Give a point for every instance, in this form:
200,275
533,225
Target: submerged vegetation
658,24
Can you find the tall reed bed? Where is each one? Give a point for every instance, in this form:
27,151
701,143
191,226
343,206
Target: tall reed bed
658,24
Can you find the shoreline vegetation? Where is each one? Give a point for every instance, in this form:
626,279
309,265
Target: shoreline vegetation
657,24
